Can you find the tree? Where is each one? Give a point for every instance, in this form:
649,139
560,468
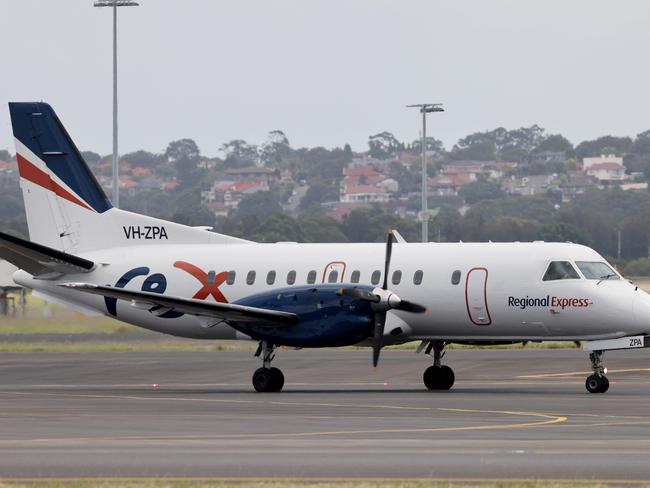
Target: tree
259,205
278,227
481,190
383,145
185,156
433,146
500,144
320,228
5,155
347,153
275,148
142,158
317,193
90,157
182,150
555,143
604,145
563,232
239,153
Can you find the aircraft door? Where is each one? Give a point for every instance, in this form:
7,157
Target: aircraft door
334,272
476,296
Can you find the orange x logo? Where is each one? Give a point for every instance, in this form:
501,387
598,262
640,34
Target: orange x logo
202,276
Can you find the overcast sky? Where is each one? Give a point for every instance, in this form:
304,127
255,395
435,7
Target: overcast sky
327,72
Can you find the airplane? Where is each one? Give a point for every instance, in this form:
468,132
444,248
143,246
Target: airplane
191,282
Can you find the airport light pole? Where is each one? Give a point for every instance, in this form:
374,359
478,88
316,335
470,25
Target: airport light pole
116,168
425,108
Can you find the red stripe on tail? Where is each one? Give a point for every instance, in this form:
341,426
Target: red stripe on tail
32,173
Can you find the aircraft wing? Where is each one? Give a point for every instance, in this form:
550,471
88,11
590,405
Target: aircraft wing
225,311
41,261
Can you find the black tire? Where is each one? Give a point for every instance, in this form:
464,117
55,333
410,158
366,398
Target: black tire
263,380
447,378
597,384
431,377
605,385
278,379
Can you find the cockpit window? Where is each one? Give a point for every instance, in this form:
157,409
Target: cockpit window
560,270
594,270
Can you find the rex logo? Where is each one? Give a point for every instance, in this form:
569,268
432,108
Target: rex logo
210,281
157,283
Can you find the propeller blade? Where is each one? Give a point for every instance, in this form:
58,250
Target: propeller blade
389,250
359,294
378,335
411,307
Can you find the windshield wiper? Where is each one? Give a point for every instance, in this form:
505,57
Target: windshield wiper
606,277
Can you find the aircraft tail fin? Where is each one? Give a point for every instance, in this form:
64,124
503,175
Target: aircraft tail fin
66,206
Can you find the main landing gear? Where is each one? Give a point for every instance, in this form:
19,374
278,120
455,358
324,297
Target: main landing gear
597,382
267,379
438,377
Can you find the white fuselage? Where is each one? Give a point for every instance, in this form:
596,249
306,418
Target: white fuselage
472,291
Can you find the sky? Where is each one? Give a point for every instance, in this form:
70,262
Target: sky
327,72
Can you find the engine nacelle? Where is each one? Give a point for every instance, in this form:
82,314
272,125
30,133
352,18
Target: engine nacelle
326,319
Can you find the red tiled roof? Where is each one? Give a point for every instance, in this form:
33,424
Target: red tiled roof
605,166
363,189
360,171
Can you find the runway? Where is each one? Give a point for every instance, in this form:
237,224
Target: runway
512,414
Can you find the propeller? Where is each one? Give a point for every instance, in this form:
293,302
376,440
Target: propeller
383,300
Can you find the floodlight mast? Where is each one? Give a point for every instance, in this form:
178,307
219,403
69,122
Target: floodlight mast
425,108
116,168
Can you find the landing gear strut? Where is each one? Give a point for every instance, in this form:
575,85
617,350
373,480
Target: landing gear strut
597,382
438,377
266,378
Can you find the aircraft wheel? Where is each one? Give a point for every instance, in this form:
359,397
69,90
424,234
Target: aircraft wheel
268,380
597,384
447,378
278,379
263,380
431,377
438,377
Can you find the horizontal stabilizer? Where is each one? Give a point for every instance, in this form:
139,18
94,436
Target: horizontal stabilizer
41,261
228,312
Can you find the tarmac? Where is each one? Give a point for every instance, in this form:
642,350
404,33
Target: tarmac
511,414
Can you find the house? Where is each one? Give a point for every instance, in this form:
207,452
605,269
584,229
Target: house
576,184
363,183
529,185
548,157
605,168
364,193
230,193
268,175
448,184
607,172
490,169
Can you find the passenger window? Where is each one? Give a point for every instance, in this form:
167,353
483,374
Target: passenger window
212,275
311,277
417,277
230,279
397,277
376,276
270,278
597,271
560,270
291,277
250,277
356,274
455,277
333,276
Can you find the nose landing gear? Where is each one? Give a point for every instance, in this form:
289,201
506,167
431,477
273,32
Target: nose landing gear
597,382
267,379
438,377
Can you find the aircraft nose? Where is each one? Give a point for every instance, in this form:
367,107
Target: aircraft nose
642,309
